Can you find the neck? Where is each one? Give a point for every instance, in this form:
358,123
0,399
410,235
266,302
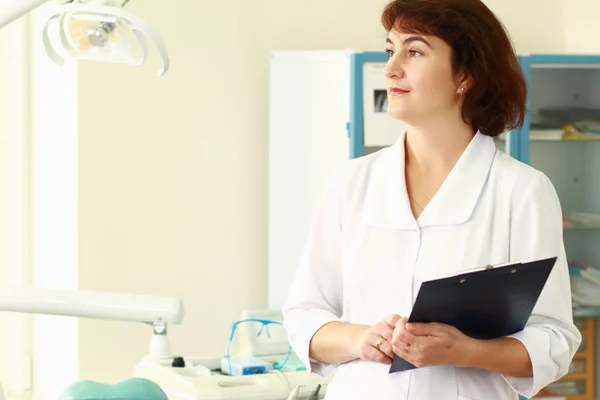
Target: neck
436,147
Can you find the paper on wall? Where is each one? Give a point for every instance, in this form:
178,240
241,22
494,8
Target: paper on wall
379,128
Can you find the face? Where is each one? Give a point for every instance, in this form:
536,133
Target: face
419,77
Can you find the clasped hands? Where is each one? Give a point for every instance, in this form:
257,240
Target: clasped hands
421,344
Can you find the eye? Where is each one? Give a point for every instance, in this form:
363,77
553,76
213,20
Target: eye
389,52
414,53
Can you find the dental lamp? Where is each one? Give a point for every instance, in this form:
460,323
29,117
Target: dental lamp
97,30
155,311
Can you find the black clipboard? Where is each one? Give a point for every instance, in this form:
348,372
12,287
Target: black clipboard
488,303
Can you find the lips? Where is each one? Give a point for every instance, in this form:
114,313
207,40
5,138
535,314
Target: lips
397,91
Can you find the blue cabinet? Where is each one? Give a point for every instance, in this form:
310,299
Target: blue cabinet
561,137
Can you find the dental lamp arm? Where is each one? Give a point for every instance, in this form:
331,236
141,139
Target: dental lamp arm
11,10
154,310
90,304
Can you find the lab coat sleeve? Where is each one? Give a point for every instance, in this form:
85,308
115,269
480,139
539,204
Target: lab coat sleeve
315,296
550,336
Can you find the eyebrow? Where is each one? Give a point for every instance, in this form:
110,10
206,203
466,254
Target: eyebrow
410,39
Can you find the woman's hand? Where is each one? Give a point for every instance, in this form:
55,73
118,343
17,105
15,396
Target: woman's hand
432,344
375,342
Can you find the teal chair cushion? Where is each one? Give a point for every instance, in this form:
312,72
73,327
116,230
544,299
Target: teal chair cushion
131,389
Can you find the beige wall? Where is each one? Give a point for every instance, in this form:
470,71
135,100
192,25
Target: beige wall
173,171
582,30
534,25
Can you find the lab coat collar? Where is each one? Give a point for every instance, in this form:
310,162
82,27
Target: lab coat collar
387,204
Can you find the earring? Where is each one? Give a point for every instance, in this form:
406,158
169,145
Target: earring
462,91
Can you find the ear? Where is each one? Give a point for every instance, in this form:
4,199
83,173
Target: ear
463,84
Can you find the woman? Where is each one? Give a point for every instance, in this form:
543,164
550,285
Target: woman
440,200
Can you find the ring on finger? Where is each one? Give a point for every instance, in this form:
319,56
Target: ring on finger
379,342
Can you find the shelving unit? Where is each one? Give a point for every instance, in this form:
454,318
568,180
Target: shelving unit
557,139
579,383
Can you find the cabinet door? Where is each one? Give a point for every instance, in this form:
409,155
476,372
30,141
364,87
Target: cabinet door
308,141
563,141
563,135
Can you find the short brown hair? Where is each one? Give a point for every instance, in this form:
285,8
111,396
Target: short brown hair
482,50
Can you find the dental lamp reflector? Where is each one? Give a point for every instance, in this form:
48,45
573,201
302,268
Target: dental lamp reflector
97,30
101,33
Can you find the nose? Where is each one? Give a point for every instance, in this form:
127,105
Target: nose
394,68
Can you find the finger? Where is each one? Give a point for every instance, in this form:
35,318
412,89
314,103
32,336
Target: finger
403,350
386,348
401,337
429,329
378,342
383,330
401,322
397,337
375,354
398,330
392,320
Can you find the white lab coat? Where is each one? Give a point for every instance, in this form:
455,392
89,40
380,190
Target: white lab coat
367,256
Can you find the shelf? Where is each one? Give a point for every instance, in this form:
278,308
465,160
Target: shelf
564,141
581,221
582,227
586,312
575,376
555,141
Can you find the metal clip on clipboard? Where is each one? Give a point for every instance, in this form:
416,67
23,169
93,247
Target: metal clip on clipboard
508,264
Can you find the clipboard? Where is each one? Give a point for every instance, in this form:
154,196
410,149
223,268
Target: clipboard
487,303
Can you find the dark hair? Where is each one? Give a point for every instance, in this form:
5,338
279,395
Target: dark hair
482,50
